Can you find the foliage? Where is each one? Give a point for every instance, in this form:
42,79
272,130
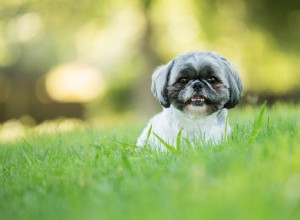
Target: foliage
109,34
96,173
124,40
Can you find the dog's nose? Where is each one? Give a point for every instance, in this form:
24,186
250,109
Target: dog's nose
197,85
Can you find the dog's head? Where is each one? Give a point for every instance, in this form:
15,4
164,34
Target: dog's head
197,83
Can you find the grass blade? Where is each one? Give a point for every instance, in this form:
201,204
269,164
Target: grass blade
188,143
29,161
257,123
26,152
168,146
149,133
178,140
126,162
122,143
45,154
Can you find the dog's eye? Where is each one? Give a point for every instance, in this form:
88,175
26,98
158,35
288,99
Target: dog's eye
212,80
183,80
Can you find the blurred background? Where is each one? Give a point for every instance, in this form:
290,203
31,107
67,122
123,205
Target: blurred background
92,58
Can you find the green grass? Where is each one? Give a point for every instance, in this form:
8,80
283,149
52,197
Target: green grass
94,172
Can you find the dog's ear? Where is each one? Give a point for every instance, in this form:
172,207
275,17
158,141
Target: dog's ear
160,79
235,86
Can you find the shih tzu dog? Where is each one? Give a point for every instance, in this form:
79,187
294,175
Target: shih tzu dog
195,89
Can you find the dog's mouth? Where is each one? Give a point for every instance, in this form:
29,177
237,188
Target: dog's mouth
197,100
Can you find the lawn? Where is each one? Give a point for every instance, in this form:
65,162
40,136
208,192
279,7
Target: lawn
93,171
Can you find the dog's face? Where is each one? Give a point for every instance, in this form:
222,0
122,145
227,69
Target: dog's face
197,83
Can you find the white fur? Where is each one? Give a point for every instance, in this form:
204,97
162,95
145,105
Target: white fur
171,121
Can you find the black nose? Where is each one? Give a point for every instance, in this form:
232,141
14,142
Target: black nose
197,86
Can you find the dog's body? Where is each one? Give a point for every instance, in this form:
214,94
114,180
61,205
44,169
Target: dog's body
195,89
168,123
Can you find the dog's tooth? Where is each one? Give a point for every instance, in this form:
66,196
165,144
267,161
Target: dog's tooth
197,99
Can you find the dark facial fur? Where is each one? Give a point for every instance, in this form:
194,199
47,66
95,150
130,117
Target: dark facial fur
198,89
197,83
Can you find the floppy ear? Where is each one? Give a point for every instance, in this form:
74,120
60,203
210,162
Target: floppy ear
235,86
159,85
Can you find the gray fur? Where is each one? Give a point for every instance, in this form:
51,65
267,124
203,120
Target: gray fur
159,85
165,76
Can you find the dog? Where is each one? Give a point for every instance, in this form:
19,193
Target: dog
195,90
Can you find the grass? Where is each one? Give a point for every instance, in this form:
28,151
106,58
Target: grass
94,172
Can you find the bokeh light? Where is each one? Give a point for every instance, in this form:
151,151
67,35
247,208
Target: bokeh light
51,52
27,26
74,83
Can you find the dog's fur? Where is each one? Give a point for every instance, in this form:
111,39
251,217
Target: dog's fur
195,89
